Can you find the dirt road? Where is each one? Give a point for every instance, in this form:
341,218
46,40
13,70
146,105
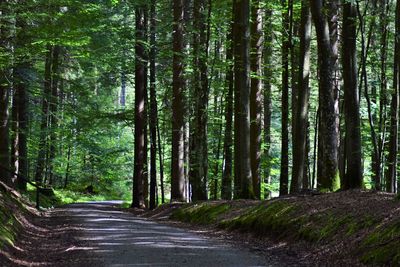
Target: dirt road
117,238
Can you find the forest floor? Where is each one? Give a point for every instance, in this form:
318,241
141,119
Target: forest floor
349,228
339,229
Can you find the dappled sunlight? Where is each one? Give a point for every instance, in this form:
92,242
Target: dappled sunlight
119,239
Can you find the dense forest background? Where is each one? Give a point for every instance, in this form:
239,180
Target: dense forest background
199,99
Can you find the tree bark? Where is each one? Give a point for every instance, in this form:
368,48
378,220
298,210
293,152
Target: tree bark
178,123
242,97
226,188
328,177
140,95
153,108
301,116
284,175
255,96
199,153
353,177
268,73
394,113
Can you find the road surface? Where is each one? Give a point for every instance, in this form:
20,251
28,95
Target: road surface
118,238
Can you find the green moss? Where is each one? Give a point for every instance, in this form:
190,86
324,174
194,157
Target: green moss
273,217
204,213
382,246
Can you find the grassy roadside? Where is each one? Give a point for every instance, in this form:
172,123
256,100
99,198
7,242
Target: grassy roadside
359,225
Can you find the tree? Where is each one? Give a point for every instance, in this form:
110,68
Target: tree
394,112
328,121
301,116
255,96
242,98
353,177
5,89
286,42
140,119
178,123
226,191
153,108
199,154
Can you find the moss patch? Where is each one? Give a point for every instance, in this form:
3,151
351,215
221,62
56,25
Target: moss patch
382,246
203,213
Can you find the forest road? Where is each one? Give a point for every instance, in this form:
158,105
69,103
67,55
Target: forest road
118,238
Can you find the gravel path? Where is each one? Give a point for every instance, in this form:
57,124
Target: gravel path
118,238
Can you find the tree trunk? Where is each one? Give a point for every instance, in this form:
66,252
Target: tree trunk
268,73
5,89
242,97
353,176
328,178
178,123
394,112
255,97
53,106
226,188
140,95
153,108
198,155
284,175
301,119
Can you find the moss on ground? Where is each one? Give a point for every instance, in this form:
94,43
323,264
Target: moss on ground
382,246
203,213
374,240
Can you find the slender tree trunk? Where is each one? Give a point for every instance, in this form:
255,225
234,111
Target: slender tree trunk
5,89
198,155
353,176
328,178
242,99
140,95
268,73
53,106
394,112
284,175
178,123
67,169
255,96
301,119
378,159
153,108
226,188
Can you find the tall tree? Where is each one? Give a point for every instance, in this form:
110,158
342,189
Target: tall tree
353,177
286,37
394,112
268,74
5,88
199,153
242,99
303,94
226,191
178,123
140,119
329,179
153,108
53,106
255,96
